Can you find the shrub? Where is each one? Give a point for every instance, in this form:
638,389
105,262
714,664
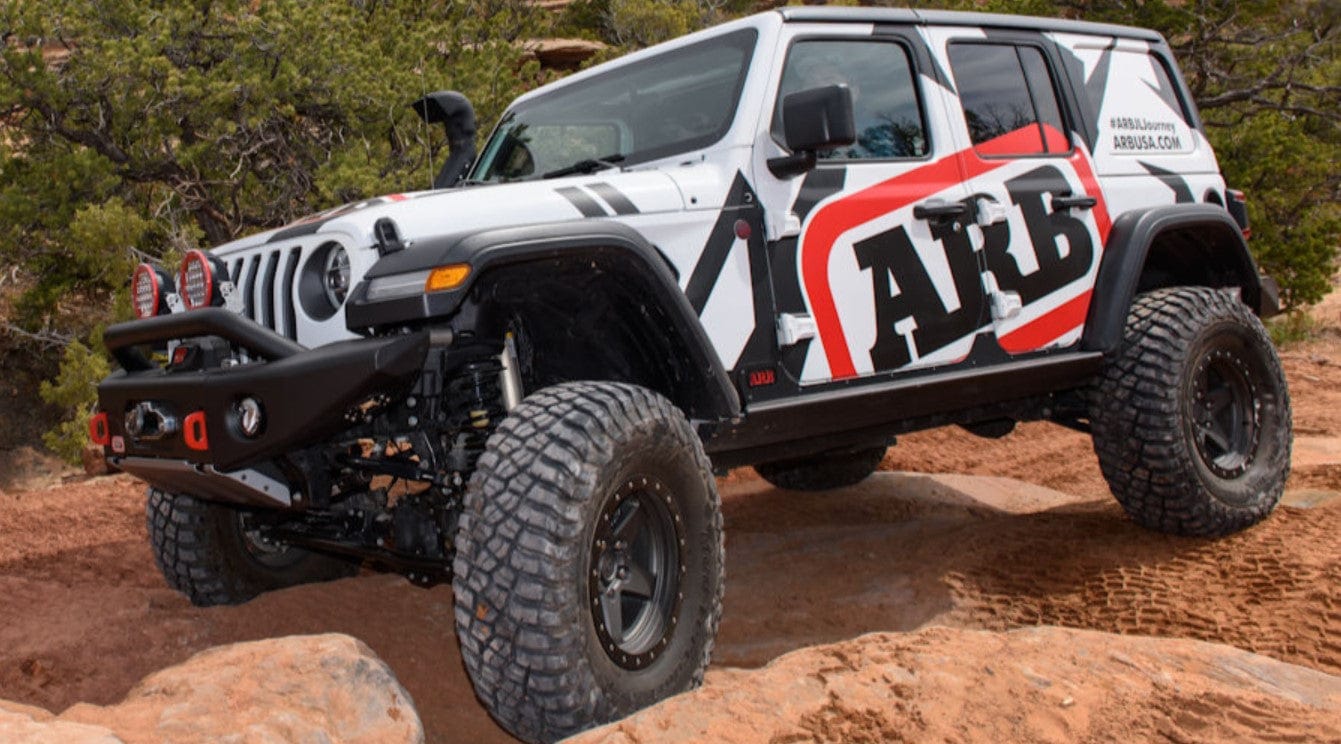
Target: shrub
75,391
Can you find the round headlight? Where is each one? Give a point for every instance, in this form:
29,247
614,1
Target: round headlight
196,280
148,287
336,276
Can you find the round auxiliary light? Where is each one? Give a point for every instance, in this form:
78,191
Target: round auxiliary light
149,286
336,276
250,416
196,280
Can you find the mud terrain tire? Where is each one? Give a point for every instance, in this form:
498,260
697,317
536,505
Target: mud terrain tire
1191,418
555,638
822,472
203,553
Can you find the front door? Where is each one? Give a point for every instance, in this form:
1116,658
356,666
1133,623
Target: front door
875,273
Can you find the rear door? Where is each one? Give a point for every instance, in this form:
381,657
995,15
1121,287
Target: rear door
1040,218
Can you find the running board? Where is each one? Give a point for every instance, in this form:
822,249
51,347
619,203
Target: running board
875,407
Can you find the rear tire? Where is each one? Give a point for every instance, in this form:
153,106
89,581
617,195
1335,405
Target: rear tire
822,472
588,572
206,552
1191,419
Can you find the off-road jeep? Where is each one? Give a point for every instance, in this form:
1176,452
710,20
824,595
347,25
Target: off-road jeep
780,242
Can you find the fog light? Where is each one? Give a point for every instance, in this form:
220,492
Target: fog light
197,280
250,417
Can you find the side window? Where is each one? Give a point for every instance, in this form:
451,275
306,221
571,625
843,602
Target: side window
1010,102
1165,89
884,98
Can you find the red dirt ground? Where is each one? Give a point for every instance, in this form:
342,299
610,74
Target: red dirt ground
85,613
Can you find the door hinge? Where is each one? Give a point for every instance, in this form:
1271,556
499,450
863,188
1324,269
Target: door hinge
990,212
1005,305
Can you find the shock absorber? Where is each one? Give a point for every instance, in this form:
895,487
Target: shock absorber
476,393
509,377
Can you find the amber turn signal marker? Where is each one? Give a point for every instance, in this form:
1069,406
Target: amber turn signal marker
446,277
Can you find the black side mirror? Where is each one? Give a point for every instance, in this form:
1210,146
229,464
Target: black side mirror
813,120
457,116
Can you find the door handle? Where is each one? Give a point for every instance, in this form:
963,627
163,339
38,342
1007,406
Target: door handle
1067,201
936,211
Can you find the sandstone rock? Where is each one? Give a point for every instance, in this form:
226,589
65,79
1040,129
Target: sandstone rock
23,723
1309,498
31,711
95,463
326,688
1037,684
564,54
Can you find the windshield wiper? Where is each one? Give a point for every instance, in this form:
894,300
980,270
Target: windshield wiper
591,165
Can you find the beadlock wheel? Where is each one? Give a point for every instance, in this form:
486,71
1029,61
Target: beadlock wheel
261,549
1225,413
634,580
588,572
1191,416
214,555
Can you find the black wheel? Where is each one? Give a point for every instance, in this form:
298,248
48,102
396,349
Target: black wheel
211,552
822,472
588,572
1191,419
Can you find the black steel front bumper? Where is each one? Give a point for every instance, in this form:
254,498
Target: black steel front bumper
306,395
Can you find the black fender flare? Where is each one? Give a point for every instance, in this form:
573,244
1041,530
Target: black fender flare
1128,251
606,242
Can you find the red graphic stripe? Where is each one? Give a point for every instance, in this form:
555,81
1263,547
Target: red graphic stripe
396,197
1055,139
1040,332
835,218
1080,160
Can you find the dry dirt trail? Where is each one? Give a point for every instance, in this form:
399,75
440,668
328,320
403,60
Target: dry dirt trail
1035,540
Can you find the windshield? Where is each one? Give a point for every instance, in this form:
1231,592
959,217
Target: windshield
667,104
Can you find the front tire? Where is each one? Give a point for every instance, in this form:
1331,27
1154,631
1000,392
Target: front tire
1191,419
208,552
588,572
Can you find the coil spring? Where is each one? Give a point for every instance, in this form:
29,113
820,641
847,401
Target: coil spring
477,396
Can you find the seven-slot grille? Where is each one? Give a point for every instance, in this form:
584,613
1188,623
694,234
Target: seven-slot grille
258,276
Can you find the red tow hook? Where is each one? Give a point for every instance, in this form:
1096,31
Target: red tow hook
98,431
193,431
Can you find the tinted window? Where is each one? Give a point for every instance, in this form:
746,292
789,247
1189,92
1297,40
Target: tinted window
1008,90
884,99
1165,89
670,103
1045,98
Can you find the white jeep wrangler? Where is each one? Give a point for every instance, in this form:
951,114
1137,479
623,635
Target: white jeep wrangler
779,242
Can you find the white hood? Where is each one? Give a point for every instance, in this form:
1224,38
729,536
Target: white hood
471,208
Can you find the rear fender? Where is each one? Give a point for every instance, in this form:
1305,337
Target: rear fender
1181,244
